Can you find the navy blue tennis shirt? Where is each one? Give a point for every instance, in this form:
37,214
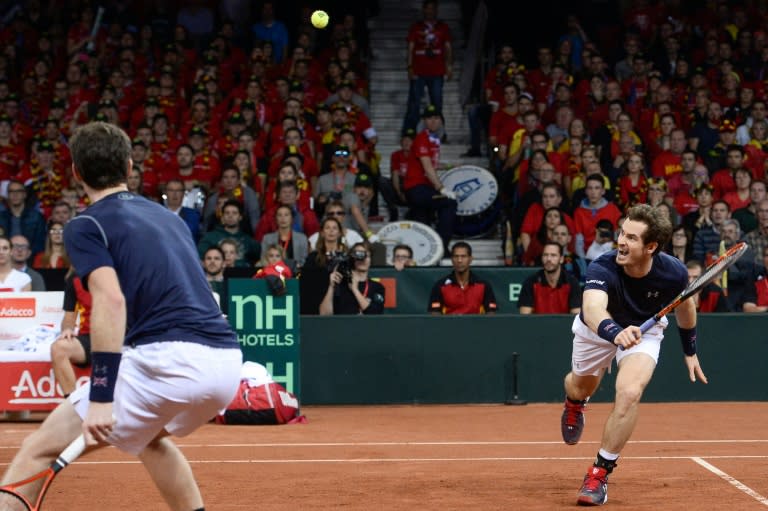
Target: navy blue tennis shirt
167,295
631,300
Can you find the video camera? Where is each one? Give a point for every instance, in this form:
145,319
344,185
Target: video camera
344,263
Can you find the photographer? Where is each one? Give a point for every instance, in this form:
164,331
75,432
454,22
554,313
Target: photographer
350,291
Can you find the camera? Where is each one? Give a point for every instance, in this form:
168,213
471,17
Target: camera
342,263
605,234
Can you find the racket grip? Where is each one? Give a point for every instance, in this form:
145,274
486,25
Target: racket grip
72,451
648,324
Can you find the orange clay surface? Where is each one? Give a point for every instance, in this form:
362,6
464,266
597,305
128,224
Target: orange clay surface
683,456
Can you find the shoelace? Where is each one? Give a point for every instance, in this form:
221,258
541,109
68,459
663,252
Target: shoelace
594,482
572,415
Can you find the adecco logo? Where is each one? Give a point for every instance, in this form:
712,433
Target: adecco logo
17,307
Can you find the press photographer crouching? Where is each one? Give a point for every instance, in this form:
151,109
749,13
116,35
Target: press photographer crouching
350,291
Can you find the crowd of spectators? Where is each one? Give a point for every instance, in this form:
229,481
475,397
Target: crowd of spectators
670,111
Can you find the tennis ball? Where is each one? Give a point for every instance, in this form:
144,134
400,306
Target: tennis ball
319,19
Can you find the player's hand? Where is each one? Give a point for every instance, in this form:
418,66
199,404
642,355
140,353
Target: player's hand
98,423
628,337
66,335
694,369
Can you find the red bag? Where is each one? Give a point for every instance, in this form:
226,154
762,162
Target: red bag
260,400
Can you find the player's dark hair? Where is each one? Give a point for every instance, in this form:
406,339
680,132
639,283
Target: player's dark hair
658,227
100,153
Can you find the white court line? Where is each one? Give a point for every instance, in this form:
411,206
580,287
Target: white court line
409,460
735,482
448,444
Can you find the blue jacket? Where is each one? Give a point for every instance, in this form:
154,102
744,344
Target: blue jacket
32,227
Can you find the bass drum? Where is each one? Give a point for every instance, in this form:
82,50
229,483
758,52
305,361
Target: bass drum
476,194
424,241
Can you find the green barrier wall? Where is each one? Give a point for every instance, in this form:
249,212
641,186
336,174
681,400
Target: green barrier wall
413,286
432,359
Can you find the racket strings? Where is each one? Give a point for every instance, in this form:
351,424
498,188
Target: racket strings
721,264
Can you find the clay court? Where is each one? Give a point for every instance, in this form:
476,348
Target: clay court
703,456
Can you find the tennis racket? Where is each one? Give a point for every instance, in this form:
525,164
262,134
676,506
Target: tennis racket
713,270
67,456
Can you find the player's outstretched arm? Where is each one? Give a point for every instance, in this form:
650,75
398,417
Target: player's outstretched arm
685,314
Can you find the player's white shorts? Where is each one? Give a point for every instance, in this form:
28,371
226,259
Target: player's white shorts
592,353
177,386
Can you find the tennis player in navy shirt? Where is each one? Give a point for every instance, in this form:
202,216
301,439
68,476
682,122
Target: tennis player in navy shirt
165,360
624,288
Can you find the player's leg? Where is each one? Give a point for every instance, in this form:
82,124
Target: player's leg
65,352
172,474
635,371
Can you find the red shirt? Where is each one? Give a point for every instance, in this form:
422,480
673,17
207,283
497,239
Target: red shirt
722,183
586,220
423,145
666,164
429,39
448,297
544,299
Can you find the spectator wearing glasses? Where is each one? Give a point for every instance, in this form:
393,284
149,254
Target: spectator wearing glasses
294,244
11,279
19,218
336,209
20,255
402,257
337,184
55,255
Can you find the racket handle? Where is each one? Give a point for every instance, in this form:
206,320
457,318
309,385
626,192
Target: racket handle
648,324
71,453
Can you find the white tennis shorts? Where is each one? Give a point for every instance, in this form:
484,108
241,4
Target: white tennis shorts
592,353
177,386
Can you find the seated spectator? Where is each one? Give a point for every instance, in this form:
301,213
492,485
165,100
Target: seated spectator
402,257
231,184
593,208
11,279
738,281
706,242
574,264
231,217
73,345
62,212
350,290
552,218
19,218
174,198
304,219
758,238
747,216
336,209
711,297
603,242
739,198
632,187
756,297
657,191
682,185
213,266
679,245
20,255
551,290
336,184
233,258
55,254
723,179
701,216
360,205
294,244
461,291
288,171
551,197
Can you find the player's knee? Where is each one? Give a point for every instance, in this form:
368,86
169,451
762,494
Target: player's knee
59,352
628,395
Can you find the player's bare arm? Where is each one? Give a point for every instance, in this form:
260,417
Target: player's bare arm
595,311
686,318
108,322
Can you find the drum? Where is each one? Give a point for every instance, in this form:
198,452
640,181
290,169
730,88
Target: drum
476,193
424,241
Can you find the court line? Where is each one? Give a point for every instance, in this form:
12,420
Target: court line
448,444
732,480
412,460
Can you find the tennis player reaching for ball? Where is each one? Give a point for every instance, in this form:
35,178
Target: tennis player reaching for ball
165,360
623,289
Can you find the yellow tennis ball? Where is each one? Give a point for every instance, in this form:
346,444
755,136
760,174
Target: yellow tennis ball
319,19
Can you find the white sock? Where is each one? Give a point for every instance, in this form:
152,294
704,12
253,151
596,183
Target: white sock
608,455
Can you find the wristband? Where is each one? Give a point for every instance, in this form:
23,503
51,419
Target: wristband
608,330
688,339
368,233
104,375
